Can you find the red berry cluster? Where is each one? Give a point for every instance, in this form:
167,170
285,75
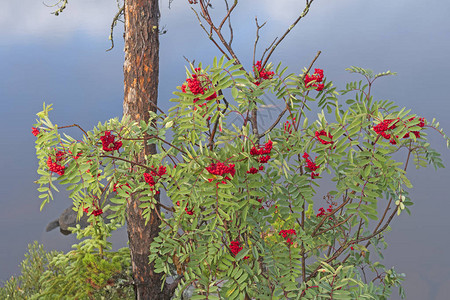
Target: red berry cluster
35,131
324,133
266,149
221,169
196,86
322,211
192,1
390,124
264,159
288,235
55,166
252,170
416,133
150,177
189,212
109,143
255,170
311,165
317,77
385,125
97,211
235,247
261,73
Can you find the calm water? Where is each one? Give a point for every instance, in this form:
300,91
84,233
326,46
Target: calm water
63,61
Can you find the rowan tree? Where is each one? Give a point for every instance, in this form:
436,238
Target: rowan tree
242,222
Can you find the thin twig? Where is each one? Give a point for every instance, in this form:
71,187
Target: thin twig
302,15
312,63
208,19
113,24
228,15
229,25
155,137
332,227
213,133
210,35
287,104
331,214
258,27
165,207
126,160
274,123
161,218
75,125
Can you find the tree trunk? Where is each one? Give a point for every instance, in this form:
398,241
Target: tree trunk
141,71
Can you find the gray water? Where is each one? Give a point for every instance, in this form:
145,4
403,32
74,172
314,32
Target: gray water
62,60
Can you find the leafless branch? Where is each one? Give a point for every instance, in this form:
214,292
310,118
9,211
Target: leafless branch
210,35
312,63
302,15
258,27
274,123
229,24
75,125
217,30
61,4
213,133
113,24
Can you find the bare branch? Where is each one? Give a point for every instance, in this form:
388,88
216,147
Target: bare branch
302,15
229,24
61,7
217,30
75,125
312,63
228,15
210,34
274,123
258,27
113,24
211,138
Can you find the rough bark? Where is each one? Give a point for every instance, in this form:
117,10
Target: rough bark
141,71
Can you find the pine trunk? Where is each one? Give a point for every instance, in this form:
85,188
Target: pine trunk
141,72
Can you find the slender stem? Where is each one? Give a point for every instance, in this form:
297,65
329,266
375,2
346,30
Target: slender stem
206,16
113,24
210,35
213,133
331,214
258,27
75,125
296,124
126,160
303,14
332,227
155,137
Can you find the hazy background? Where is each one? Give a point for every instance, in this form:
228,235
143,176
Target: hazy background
62,60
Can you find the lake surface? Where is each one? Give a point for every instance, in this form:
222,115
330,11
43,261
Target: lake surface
60,61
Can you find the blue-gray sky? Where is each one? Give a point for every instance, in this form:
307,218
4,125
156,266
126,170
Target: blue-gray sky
62,60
